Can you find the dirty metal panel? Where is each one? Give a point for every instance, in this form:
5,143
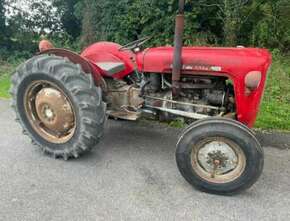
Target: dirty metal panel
125,115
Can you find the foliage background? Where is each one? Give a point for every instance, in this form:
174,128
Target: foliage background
77,23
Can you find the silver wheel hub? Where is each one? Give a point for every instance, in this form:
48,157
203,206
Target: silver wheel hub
217,157
48,113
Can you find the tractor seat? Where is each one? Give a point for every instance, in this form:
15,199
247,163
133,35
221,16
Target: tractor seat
111,68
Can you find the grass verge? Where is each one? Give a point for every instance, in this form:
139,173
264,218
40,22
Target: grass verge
275,108
5,71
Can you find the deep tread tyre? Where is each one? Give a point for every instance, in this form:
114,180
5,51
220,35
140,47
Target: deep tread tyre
235,133
78,87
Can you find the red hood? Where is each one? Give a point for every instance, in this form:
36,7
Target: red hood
225,60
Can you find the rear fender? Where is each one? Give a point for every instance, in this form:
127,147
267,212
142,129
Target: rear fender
110,52
86,65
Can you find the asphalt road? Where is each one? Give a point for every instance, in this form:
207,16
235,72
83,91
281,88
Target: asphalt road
132,175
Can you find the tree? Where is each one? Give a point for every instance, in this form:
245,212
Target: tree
70,22
230,15
127,20
44,18
272,29
3,35
91,21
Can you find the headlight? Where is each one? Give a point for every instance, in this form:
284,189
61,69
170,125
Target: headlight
253,80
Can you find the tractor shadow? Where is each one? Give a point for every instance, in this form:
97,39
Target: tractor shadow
148,150
127,137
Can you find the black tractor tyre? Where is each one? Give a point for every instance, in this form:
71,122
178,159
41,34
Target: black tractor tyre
200,135
79,89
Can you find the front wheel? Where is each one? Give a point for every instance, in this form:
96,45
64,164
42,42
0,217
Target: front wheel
219,156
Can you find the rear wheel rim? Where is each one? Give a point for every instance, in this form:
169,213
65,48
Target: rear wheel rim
50,112
218,160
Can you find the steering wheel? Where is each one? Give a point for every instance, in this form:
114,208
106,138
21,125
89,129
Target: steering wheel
135,44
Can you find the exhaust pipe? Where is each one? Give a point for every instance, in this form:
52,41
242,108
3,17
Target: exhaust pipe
178,44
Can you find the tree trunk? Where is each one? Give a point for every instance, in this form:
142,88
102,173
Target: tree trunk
89,34
2,22
230,23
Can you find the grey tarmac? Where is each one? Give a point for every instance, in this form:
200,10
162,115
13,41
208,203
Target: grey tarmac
131,175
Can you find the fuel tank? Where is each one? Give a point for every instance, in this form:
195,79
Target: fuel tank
106,55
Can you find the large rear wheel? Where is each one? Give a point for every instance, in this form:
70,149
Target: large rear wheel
219,156
58,106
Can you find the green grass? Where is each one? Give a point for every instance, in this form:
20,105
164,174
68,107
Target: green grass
178,123
5,71
4,86
275,109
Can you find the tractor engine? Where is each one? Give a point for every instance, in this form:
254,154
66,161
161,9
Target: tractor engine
200,97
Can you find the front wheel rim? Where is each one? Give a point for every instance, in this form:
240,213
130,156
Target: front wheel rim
50,112
218,160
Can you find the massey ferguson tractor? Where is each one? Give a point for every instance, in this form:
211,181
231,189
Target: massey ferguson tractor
62,100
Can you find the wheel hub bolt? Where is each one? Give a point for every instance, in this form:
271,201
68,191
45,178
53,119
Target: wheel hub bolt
48,113
217,162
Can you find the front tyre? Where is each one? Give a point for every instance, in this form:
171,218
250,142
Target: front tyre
219,156
58,106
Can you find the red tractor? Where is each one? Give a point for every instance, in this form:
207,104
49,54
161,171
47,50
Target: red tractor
62,100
